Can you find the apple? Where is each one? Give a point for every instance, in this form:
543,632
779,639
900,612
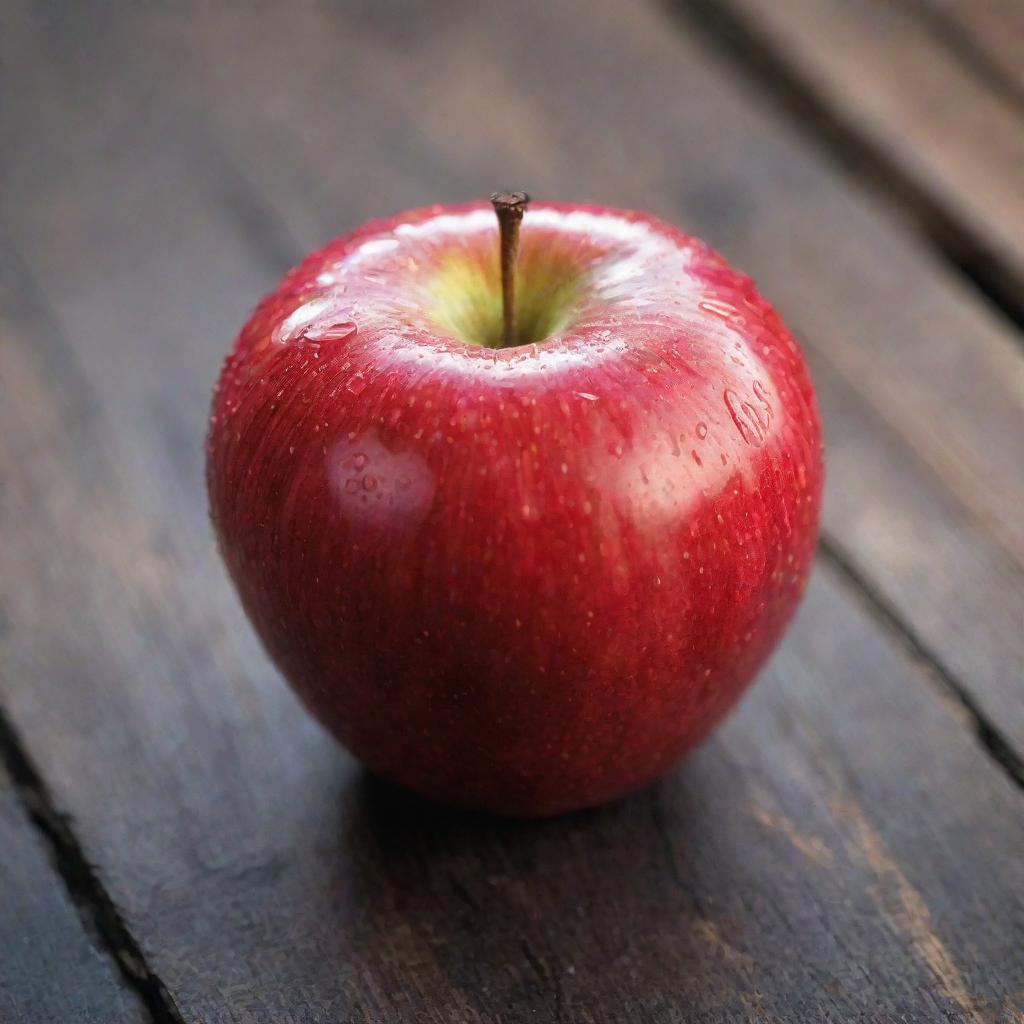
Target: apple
519,531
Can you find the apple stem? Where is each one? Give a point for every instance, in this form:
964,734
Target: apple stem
509,207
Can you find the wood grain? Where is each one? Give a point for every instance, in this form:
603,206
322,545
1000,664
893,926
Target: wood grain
51,971
842,849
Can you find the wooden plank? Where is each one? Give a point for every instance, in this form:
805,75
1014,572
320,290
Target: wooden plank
948,141
893,331
790,872
51,971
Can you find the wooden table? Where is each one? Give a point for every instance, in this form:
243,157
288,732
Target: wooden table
179,842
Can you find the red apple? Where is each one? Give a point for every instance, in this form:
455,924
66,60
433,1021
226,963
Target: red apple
529,578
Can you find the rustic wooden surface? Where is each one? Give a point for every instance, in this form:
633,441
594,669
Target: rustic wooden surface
184,844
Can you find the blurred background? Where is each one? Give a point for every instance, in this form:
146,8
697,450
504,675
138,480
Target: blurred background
161,165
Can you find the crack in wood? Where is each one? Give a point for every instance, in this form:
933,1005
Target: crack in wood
100,917
992,741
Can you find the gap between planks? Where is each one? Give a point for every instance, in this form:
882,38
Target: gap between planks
96,910
753,55
964,707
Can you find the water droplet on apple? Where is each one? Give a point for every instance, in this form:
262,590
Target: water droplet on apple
765,412
356,384
329,331
717,308
745,416
702,430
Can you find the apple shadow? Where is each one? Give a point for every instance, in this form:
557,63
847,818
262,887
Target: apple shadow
527,915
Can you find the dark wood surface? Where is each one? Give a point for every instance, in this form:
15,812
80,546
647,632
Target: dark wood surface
847,847
988,36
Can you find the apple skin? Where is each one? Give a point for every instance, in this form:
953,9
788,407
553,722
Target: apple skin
524,580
